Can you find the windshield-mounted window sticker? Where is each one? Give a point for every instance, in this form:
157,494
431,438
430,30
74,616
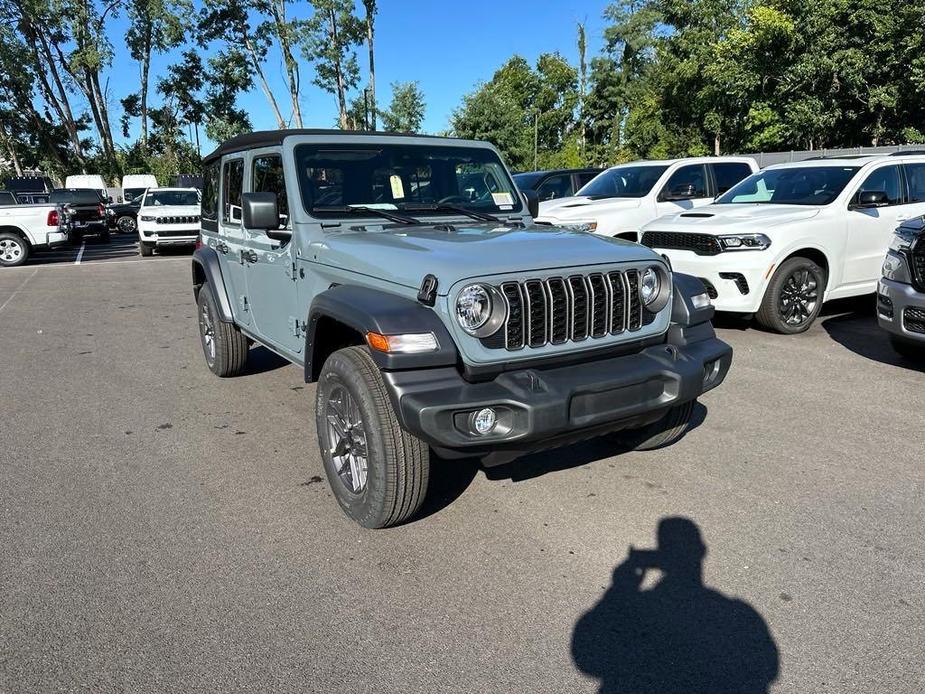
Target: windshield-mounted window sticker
398,190
503,200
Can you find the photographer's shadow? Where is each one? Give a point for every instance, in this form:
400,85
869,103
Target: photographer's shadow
678,636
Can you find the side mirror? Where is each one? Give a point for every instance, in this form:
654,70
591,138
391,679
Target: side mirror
260,211
533,202
684,192
872,198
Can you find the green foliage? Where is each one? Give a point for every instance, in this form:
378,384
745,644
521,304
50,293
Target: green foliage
406,112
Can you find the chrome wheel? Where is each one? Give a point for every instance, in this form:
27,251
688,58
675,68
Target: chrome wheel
799,297
207,331
347,439
126,224
11,250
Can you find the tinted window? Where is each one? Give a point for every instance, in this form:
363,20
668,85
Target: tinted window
7,198
159,198
623,182
885,179
232,187
210,193
727,175
267,177
77,196
915,175
558,186
809,185
584,177
692,175
527,181
130,194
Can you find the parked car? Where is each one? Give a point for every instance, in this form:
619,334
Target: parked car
32,183
793,236
86,213
901,290
624,198
25,229
551,185
431,319
168,217
123,216
91,181
8,198
134,186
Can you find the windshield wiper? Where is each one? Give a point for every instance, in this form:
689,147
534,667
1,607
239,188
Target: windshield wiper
372,211
436,207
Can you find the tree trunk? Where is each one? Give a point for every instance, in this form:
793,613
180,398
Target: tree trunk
10,151
280,123
145,66
716,144
339,78
292,66
67,115
370,30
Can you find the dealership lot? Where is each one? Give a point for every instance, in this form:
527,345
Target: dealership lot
164,530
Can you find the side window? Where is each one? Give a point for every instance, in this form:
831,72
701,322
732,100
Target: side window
555,187
210,193
915,175
583,178
232,187
267,177
692,175
728,174
885,179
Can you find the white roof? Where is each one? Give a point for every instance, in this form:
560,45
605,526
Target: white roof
848,161
687,160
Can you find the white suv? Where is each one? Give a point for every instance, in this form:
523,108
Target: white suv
168,217
621,200
792,236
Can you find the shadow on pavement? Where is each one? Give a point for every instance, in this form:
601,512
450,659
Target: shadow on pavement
678,636
262,360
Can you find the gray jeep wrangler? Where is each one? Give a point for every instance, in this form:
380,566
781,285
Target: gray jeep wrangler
407,278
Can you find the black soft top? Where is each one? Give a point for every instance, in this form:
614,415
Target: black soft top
78,196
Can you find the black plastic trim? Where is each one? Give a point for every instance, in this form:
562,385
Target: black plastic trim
683,311
207,259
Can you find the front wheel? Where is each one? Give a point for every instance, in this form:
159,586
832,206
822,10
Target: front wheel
13,250
793,298
662,433
377,470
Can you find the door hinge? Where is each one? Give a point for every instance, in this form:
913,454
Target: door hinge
243,301
297,327
293,272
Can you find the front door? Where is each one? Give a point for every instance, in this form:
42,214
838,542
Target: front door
690,175
272,282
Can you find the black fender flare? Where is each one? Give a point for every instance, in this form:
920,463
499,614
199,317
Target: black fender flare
207,269
373,310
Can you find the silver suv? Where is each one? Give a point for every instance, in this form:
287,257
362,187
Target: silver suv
901,291
406,276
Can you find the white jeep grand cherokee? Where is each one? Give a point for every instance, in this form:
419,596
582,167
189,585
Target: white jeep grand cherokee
168,217
792,236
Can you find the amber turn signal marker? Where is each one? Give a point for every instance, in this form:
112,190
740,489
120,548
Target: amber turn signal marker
378,342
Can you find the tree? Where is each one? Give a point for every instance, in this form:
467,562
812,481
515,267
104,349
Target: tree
406,112
182,87
285,32
371,9
228,75
329,38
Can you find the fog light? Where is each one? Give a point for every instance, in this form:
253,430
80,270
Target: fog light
483,421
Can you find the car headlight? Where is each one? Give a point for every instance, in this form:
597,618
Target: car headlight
654,288
587,225
648,286
480,309
903,239
147,218
744,242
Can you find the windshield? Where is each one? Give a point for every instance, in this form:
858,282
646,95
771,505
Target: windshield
77,196
810,185
158,198
398,176
623,182
130,194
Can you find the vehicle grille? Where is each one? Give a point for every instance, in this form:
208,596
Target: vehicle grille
166,233
182,219
701,244
914,320
917,258
556,310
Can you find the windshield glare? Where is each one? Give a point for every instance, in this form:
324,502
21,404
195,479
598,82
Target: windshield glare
623,182
398,176
171,197
811,185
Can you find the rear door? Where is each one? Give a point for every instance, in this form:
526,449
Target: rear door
869,230
232,246
726,174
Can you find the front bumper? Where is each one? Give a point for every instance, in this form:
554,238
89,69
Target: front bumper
539,407
738,278
900,310
165,235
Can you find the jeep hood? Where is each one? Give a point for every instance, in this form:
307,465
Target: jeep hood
584,207
734,217
404,255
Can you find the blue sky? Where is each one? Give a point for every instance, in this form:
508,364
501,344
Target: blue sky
447,47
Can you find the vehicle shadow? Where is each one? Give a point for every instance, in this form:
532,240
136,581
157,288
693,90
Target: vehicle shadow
852,323
262,360
678,636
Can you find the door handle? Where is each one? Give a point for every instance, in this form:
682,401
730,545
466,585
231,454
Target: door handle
222,248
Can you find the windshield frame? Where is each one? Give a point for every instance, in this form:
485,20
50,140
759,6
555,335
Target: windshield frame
853,170
488,154
149,195
662,169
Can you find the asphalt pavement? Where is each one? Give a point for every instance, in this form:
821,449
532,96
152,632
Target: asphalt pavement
164,530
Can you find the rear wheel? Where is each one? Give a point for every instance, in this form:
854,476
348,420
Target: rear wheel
13,250
223,345
664,432
793,298
126,224
377,470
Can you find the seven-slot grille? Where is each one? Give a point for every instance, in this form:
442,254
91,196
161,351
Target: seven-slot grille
556,310
179,219
701,244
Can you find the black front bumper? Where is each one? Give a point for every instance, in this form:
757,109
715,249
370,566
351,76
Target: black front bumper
539,407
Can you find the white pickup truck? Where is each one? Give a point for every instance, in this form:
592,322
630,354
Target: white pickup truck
793,236
28,228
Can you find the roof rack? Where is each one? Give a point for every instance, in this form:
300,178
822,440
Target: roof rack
908,152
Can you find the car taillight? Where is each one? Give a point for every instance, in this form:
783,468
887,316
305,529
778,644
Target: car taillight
101,210
198,242
53,219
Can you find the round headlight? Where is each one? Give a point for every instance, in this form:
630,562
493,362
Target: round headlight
473,307
649,286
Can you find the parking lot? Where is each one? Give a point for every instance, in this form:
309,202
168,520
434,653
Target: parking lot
165,530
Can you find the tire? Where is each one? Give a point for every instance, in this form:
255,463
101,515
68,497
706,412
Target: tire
104,237
226,351
351,397
14,250
793,298
126,224
145,249
664,432
906,348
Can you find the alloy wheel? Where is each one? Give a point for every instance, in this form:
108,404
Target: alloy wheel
347,438
126,224
207,330
10,250
799,297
